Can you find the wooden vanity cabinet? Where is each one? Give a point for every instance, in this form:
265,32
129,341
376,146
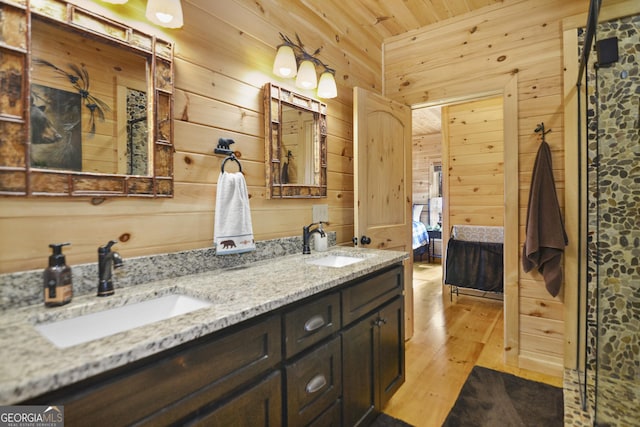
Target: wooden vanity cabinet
332,359
175,385
361,367
372,346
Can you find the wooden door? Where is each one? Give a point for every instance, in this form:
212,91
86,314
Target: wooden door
382,174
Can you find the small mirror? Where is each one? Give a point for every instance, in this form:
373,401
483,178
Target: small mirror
98,104
296,144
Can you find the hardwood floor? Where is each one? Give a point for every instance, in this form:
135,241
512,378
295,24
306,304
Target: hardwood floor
450,337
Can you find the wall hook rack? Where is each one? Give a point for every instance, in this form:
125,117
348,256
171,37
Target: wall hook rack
540,129
224,148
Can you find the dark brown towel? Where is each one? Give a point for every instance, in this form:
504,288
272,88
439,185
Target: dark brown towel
545,236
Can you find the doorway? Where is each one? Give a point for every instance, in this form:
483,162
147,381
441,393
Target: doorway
469,190
466,141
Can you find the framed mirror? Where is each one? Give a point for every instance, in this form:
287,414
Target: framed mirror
295,144
86,104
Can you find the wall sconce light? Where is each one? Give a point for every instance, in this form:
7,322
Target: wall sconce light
291,54
166,13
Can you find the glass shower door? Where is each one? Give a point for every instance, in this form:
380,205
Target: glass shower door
614,221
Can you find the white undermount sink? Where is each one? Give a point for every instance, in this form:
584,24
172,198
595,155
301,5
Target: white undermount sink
334,260
78,330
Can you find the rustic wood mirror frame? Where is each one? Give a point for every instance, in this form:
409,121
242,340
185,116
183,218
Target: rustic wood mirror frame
17,176
275,98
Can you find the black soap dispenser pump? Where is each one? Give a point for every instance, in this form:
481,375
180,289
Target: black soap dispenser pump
58,289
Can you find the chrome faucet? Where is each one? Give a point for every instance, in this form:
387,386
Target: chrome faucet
107,260
306,235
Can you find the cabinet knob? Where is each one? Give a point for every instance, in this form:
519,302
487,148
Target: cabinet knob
365,240
314,323
316,383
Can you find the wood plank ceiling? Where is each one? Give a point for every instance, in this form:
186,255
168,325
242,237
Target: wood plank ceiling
386,18
380,19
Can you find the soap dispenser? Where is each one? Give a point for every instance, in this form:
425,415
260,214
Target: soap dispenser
320,242
58,289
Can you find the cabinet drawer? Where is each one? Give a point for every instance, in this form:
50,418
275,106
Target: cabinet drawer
310,323
205,370
314,383
259,406
331,417
367,295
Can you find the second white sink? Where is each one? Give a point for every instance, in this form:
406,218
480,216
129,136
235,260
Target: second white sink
335,261
77,330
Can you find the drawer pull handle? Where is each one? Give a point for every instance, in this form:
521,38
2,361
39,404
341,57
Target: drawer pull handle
316,322
316,383
379,322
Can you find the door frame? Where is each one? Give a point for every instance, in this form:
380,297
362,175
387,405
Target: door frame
508,88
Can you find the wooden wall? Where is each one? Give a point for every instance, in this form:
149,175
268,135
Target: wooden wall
224,54
473,55
475,163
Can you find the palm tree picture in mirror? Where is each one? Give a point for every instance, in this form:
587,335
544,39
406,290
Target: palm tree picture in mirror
79,79
56,118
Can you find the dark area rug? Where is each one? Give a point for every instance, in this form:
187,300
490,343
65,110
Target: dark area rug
490,398
385,420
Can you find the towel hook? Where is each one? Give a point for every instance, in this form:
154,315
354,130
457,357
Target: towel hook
223,148
540,129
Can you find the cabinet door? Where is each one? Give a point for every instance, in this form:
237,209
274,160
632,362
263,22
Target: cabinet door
258,406
391,350
373,363
359,374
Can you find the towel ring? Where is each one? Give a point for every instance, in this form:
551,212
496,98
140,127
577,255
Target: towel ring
223,148
231,157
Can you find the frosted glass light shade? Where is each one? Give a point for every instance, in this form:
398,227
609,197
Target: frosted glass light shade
307,78
285,63
327,86
166,13
115,1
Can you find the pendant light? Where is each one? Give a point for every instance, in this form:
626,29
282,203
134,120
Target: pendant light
166,13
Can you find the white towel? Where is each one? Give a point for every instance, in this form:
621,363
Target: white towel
233,232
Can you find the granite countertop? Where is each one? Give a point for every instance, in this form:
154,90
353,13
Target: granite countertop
31,365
